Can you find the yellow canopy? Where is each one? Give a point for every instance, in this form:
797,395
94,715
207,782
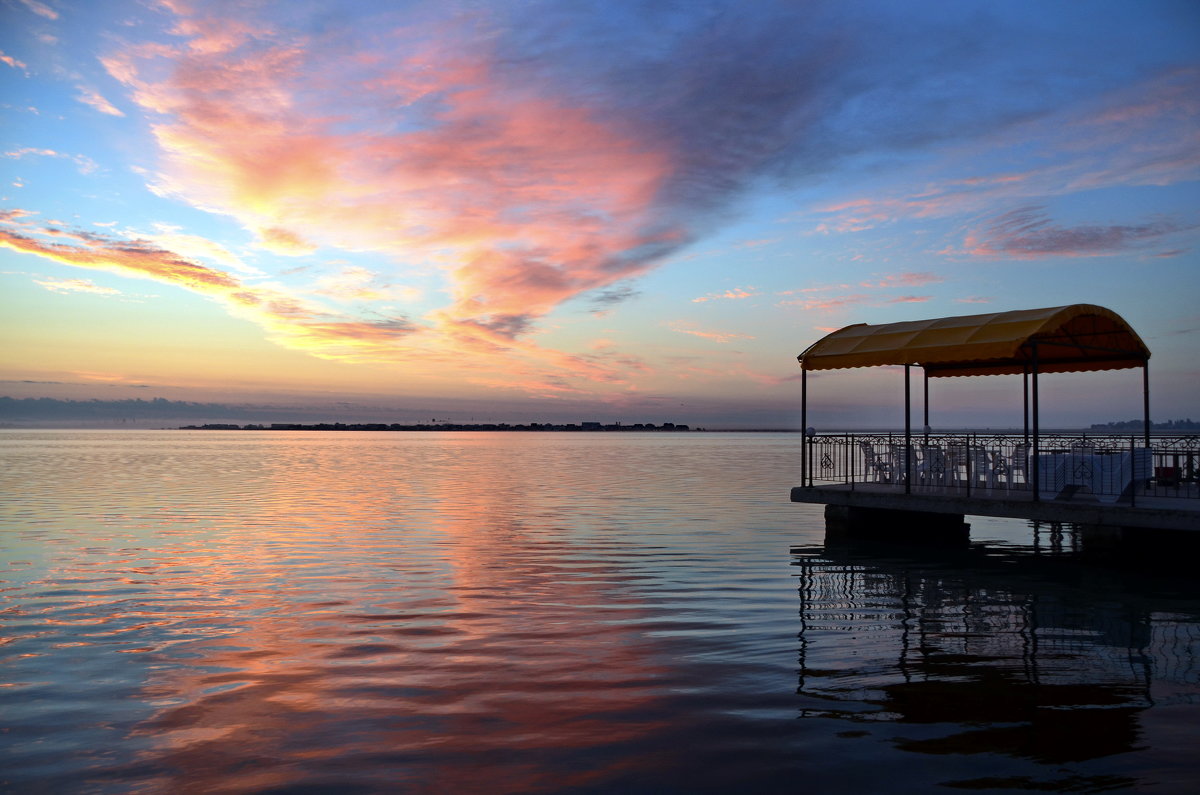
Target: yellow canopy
1075,338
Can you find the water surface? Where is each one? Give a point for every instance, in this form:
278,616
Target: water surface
520,612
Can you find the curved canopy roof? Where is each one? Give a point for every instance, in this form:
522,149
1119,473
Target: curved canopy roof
1074,338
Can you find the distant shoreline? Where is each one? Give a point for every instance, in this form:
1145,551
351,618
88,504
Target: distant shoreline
635,428
586,427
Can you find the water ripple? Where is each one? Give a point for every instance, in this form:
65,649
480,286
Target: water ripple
257,612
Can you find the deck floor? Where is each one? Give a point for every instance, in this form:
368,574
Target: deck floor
1148,509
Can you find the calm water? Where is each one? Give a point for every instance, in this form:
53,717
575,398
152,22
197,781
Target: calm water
237,612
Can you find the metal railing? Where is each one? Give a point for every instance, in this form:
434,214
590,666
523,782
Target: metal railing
1111,467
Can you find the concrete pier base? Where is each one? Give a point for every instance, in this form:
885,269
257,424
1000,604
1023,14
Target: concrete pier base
896,526
1166,549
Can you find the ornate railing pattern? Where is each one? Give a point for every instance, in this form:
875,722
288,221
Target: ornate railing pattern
1111,467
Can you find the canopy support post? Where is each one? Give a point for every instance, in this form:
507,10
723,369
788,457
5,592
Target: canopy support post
926,404
907,432
803,425
1146,401
1037,496
1025,380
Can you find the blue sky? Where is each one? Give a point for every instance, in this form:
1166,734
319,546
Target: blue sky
557,211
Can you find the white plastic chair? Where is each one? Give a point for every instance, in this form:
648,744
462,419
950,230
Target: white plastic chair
982,469
932,467
878,468
1018,464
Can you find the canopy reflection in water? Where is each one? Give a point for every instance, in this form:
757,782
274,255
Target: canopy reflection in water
976,653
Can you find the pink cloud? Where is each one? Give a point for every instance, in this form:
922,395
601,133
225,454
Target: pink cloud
907,279
524,199
91,97
832,302
41,9
1028,233
1144,135
909,299
29,150
85,164
13,216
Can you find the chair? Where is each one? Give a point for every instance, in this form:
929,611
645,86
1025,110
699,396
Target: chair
1018,464
899,462
982,467
932,467
875,466
957,456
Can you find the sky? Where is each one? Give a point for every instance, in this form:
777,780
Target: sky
587,211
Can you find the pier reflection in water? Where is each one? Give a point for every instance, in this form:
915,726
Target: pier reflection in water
1047,674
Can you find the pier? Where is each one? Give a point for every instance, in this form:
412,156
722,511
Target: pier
1111,482
919,485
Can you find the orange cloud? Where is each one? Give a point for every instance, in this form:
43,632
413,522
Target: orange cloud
286,319
281,241
721,337
734,294
11,61
444,345
360,284
75,286
758,243
196,247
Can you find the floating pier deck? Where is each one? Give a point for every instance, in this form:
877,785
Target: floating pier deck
927,484
1149,512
